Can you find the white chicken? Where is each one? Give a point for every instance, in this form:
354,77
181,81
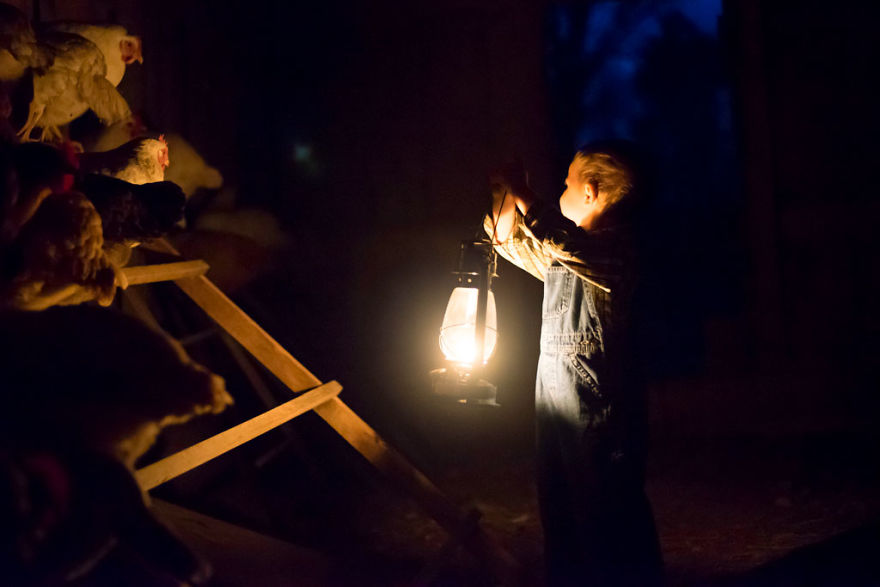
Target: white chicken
75,82
118,47
138,161
187,169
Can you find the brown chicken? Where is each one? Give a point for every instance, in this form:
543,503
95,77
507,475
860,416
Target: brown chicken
52,249
59,258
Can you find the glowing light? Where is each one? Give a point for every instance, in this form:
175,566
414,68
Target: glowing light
458,339
302,153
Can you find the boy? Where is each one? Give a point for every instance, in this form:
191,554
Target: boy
590,401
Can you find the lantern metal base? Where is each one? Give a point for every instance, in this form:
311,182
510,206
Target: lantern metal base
463,386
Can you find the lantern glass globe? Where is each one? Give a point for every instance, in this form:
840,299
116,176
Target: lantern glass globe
458,339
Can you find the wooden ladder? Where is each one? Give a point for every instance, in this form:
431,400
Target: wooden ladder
311,394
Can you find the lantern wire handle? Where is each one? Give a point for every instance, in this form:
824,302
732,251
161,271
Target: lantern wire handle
497,218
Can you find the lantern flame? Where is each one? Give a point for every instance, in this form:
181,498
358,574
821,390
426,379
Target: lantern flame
458,339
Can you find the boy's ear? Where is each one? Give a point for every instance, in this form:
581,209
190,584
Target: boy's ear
591,191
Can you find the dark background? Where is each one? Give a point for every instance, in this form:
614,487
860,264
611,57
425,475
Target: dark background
367,129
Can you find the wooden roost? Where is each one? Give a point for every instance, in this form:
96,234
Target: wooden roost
311,395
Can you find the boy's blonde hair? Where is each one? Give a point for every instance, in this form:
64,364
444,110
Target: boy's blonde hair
612,177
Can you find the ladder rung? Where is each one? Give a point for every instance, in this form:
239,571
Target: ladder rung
141,274
189,458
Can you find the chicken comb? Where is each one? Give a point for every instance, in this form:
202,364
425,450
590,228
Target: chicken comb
162,140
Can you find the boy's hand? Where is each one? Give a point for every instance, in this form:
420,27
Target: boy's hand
505,184
512,180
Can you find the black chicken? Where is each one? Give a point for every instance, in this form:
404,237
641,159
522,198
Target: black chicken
133,212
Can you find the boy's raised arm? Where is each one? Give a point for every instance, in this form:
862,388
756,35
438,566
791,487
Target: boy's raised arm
598,256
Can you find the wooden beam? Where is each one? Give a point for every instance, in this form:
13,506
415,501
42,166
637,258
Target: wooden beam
164,271
243,557
189,458
248,333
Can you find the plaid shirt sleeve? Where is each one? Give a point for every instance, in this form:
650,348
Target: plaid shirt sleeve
544,235
521,248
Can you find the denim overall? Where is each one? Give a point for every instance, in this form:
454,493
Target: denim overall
597,522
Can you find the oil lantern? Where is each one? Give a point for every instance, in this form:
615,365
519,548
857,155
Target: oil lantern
469,332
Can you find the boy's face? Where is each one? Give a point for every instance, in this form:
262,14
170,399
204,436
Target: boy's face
578,201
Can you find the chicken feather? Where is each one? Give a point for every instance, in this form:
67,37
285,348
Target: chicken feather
75,82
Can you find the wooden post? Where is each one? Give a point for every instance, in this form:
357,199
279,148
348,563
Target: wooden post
745,30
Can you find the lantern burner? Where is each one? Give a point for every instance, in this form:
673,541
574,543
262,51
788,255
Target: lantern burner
464,386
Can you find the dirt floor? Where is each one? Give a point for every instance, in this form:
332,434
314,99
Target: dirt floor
730,513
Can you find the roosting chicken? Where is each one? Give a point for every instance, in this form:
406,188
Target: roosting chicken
132,212
187,168
59,258
51,239
138,161
118,47
19,53
75,82
113,383
88,390
19,50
